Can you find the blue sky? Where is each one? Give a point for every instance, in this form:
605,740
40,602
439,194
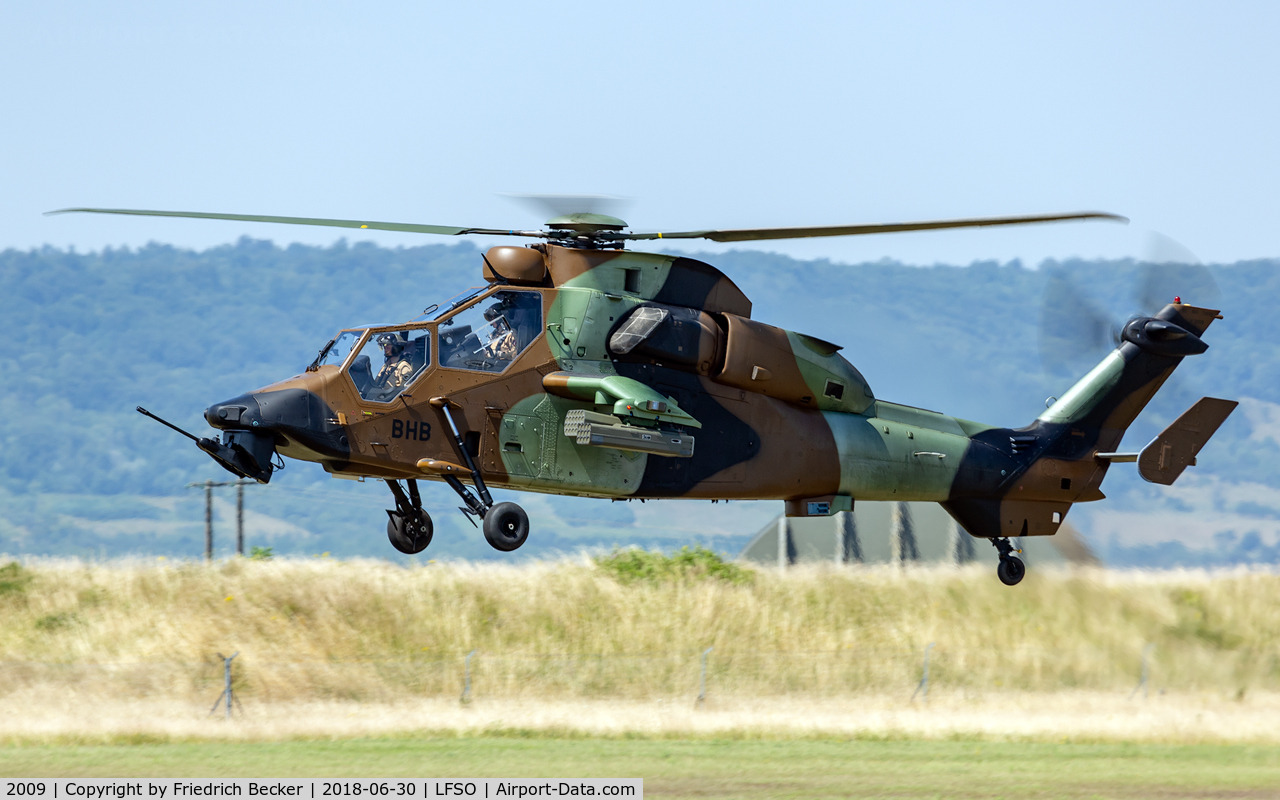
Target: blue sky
705,114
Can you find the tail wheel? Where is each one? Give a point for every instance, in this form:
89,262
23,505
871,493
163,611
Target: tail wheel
1011,570
506,526
410,534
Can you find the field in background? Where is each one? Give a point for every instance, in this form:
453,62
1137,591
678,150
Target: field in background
590,669
1176,718
369,631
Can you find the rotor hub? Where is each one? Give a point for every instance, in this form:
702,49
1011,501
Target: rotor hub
586,223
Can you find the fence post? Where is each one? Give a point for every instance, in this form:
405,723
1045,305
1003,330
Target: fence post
240,518
208,520
1142,682
848,547
702,685
466,679
226,691
961,544
784,542
902,535
923,685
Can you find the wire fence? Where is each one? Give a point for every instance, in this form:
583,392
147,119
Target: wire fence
702,673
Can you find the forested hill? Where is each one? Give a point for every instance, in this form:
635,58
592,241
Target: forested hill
89,336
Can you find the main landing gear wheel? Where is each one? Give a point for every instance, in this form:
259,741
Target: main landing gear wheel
1011,570
408,527
410,534
506,526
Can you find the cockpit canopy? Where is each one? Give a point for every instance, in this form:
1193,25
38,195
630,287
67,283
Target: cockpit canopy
490,334
401,357
485,336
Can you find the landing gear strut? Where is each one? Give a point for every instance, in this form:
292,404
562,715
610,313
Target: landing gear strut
408,527
1011,568
506,526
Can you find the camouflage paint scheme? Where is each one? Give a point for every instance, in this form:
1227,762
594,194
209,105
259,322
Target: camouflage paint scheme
775,414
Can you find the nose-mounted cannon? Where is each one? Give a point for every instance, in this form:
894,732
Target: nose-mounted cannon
244,453
249,454
248,444
256,425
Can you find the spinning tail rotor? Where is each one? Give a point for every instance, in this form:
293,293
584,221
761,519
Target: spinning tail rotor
1076,329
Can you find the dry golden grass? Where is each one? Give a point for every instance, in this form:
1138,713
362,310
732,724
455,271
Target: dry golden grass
43,716
324,630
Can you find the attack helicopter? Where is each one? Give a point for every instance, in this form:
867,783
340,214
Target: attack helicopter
585,368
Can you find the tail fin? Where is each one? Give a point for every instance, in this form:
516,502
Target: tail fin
1106,401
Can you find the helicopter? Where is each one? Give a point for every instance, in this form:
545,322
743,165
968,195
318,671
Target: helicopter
584,368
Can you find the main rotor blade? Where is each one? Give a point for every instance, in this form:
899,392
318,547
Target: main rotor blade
405,227
739,235
752,234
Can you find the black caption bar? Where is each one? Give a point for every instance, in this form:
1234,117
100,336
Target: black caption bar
312,788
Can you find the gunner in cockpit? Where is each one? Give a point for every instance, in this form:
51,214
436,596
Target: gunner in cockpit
396,370
502,342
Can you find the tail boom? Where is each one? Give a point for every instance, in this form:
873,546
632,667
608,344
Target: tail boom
1062,457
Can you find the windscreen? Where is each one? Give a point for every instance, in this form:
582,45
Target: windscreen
338,348
389,362
489,335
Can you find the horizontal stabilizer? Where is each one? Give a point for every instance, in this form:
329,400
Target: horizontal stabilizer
1176,447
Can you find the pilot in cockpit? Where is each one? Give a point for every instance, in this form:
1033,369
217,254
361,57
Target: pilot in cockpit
398,367
521,312
501,343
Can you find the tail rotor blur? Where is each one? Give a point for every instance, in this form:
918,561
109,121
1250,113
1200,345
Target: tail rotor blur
1077,329
1171,270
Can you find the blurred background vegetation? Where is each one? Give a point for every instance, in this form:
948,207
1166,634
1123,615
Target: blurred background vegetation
312,629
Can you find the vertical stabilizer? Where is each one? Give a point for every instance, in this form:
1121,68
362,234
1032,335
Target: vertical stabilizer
1112,394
